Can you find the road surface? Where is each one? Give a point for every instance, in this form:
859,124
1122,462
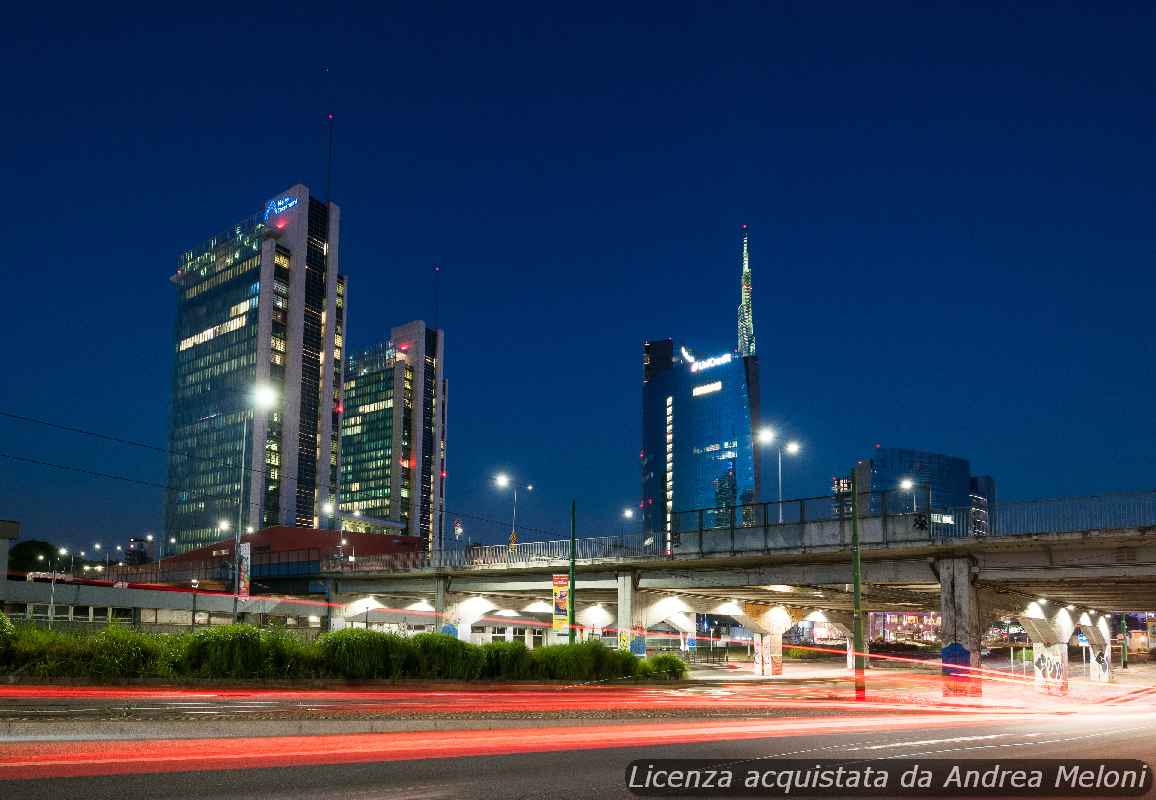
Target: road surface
578,753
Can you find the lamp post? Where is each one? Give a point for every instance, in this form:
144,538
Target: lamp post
908,485
573,604
263,398
857,595
52,589
766,437
327,509
627,513
502,481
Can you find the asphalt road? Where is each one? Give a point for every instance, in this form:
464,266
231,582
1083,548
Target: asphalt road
449,743
590,773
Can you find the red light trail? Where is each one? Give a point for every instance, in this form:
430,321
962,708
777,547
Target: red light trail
39,760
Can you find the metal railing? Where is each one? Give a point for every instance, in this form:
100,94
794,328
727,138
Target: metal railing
910,518
747,529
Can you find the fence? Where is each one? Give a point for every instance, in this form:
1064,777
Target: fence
753,528
910,517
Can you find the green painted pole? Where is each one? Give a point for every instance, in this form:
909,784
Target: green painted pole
573,555
857,620
1124,641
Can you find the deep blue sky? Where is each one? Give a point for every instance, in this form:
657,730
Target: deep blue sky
951,214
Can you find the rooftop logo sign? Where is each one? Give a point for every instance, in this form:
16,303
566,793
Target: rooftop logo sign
279,206
707,363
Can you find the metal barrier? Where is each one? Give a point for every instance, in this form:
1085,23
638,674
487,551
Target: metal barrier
750,529
923,521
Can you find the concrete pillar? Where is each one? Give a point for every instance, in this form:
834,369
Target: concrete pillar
673,610
468,611
1049,647
1100,649
9,530
844,622
960,636
330,607
629,636
441,586
770,623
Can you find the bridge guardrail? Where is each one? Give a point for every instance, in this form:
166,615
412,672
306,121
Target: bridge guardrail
893,511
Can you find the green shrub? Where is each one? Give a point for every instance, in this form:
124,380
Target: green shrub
7,635
289,656
809,653
228,651
359,654
588,661
506,660
667,665
48,654
443,656
126,653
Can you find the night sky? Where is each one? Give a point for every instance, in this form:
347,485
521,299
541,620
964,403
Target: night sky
951,217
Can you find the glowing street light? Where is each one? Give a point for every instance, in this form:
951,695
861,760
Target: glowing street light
908,485
628,513
503,481
767,436
262,397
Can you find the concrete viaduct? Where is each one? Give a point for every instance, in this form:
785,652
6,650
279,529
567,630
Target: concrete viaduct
769,577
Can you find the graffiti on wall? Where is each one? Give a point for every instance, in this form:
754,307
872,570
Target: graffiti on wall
1051,667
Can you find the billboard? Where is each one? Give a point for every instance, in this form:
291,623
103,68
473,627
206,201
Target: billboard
561,584
244,569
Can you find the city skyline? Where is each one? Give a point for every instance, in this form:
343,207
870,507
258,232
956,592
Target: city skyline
894,259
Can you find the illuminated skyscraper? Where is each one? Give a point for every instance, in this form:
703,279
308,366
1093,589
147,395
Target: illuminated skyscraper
698,420
259,306
393,436
746,313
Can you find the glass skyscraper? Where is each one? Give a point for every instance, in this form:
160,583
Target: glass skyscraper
393,436
944,480
260,309
699,414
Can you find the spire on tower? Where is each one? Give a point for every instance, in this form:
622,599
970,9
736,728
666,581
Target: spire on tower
746,315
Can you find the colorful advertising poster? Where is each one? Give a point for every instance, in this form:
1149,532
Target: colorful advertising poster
561,603
244,569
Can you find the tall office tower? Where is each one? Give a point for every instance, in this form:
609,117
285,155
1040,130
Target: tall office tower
393,436
255,417
698,421
746,313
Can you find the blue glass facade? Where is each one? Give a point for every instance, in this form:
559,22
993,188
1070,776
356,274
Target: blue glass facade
698,419
945,480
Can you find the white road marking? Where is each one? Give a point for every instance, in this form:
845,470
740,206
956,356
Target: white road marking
940,741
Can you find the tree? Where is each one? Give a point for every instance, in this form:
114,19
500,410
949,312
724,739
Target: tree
23,556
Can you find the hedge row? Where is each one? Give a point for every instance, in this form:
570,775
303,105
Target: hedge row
245,651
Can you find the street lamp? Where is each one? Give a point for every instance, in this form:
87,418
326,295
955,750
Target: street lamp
792,449
327,509
767,436
262,398
627,514
502,481
908,485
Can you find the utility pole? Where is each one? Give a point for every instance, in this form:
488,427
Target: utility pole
1124,641
573,555
856,580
